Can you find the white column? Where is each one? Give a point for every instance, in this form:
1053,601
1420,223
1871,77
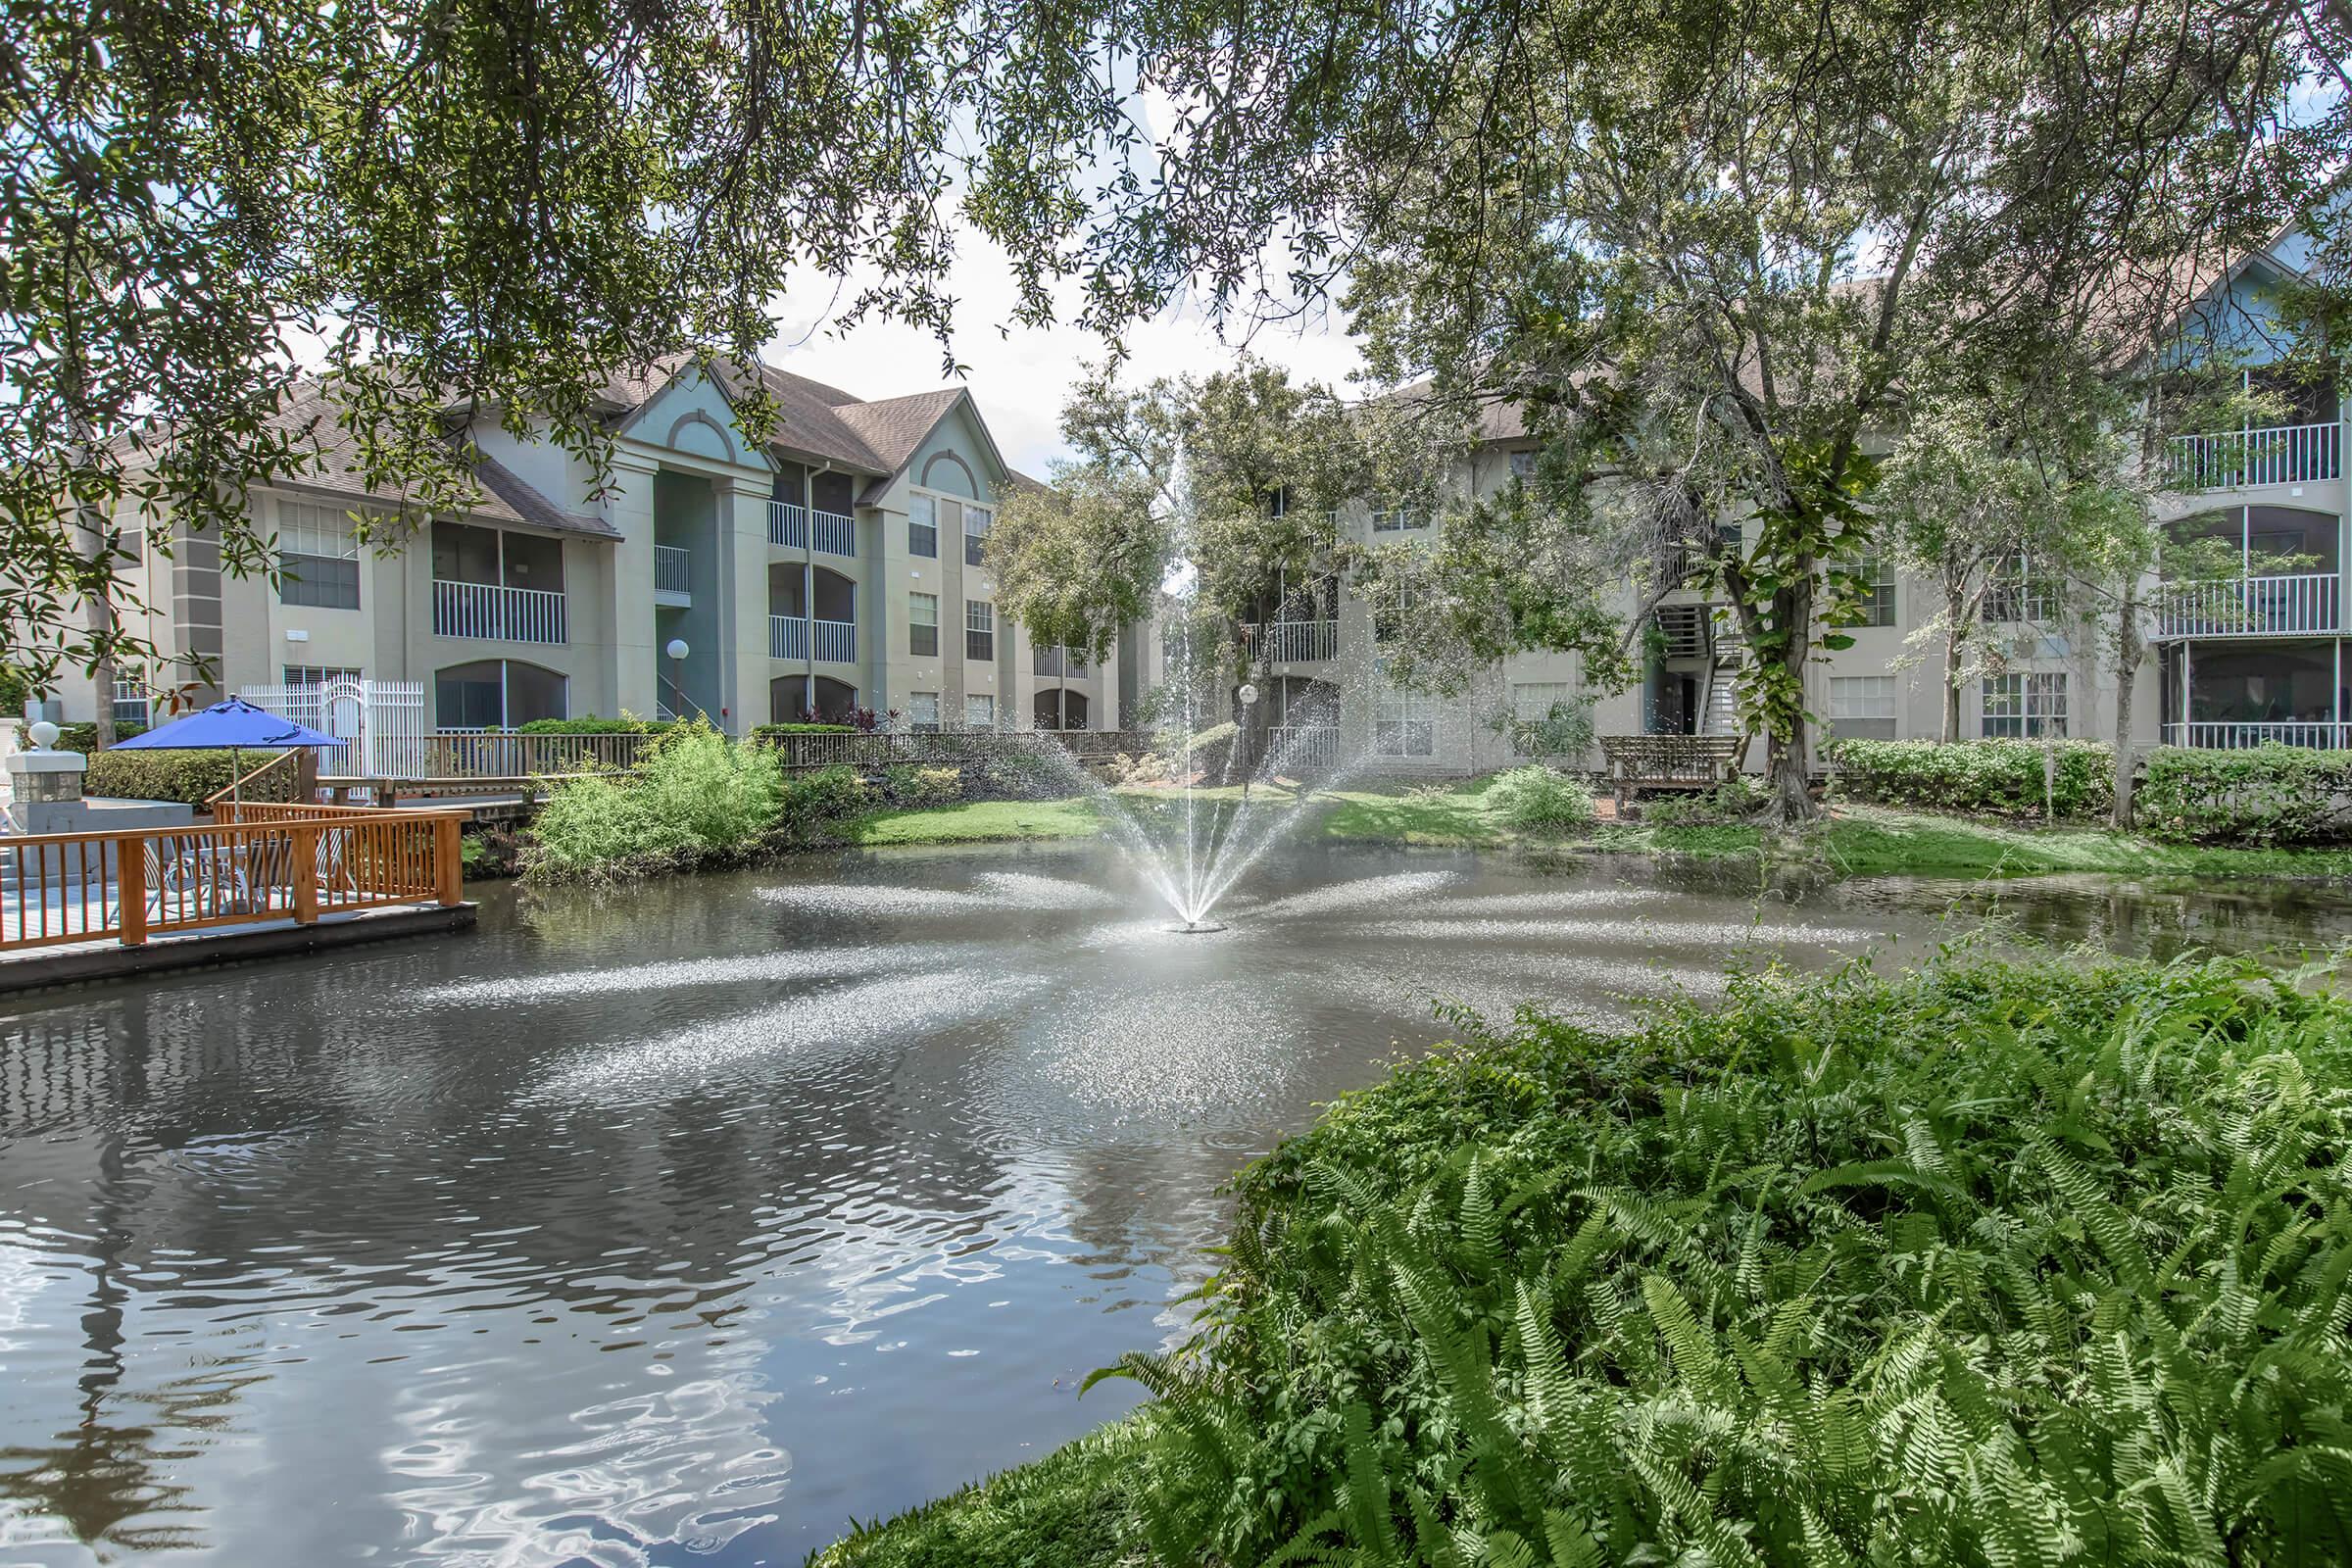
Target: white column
631,660
741,532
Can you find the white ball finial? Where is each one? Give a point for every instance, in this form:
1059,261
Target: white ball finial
1247,694
677,648
44,734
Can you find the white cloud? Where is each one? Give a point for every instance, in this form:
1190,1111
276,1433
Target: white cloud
1020,375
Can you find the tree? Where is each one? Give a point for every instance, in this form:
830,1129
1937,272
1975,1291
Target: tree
1713,277
1234,476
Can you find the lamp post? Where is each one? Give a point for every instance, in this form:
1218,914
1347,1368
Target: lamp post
678,651
1246,696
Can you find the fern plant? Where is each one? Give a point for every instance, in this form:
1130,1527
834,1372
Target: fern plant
1990,1265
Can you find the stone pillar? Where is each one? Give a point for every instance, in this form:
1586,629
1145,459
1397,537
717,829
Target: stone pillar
634,652
742,657
45,787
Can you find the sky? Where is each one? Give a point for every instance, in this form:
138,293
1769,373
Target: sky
1020,375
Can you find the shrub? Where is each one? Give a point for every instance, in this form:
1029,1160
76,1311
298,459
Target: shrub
1018,774
2273,795
15,692
83,737
695,799
914,786
1537,799
1734,799
818,802
625,724
1989,1264
193,778
1564,734
1996,777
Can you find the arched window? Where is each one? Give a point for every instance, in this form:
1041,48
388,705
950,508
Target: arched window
1058,708
789,700
496,693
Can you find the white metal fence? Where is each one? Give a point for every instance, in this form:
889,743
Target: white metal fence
2319,734
794,636
381,722
672,570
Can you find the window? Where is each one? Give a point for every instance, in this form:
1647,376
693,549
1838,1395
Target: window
1874,600
979,713
2017,594
493,557
923,712
2027,705
1862,707
1058,708
922,527
975,534
1405,724
922,625
1523,465
495,694
317,558
131,704
1398,520
315,675
1532,701
979,629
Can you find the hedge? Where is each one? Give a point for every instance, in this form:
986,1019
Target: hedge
770,732
2271,794
85,737
173,776
626,724
1993,777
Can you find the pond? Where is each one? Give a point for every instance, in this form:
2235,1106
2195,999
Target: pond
686,1225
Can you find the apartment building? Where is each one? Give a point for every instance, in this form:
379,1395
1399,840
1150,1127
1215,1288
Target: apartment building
836,567
2257,655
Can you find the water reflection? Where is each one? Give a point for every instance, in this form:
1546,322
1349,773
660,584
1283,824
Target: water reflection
685,1225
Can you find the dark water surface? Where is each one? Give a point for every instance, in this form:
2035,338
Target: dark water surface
685,1225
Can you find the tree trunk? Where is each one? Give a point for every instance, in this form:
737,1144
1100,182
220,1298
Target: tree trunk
1951,685
1791,799
2127,673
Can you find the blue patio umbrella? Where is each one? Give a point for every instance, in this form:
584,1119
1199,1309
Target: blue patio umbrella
236,726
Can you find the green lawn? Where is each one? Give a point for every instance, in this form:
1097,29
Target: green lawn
1856,841
1067,1510
1877,841
980,822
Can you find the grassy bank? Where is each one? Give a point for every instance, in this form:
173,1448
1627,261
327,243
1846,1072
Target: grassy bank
1854,841
1942,1268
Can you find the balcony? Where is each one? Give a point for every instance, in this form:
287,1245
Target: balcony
1291,641
834,642
2314,734
2277,454
673,576
497,614
2302,605
790,525
1060,664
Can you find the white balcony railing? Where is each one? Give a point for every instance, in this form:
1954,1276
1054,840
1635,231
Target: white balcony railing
833,534
2252,607
1060,664
2277,454
796,637
787,524
2316,734
788,637
497,614
674,571
1293,641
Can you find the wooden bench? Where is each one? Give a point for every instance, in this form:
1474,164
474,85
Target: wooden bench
1668,761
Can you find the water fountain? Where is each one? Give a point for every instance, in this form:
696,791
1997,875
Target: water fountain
1192,876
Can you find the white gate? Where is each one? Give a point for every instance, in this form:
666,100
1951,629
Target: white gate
381,722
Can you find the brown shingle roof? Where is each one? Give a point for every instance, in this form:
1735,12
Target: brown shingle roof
505,497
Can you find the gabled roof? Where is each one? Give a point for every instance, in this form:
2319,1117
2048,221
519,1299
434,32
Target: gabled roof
505,496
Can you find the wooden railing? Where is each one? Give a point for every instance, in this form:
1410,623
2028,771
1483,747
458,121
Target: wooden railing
267,862
279,778
496,754
1668,761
